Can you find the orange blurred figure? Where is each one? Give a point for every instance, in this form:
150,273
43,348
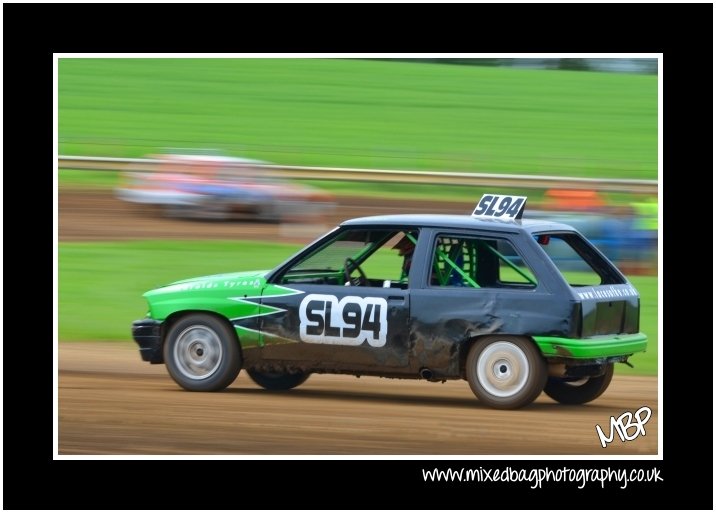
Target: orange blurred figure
572,199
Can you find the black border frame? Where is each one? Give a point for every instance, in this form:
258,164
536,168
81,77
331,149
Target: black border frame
32,33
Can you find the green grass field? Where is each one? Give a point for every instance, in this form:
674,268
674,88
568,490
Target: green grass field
101,284
359,113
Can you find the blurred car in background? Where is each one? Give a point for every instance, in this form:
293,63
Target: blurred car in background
221,188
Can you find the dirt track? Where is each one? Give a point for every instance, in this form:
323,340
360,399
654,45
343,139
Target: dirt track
113,403
110,402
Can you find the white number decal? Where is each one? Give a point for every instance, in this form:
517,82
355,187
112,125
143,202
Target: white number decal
350,321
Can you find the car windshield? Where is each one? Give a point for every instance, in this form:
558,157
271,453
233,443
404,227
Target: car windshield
351,244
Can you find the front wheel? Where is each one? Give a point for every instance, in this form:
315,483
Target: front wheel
580,391
505,372
202,353
278,380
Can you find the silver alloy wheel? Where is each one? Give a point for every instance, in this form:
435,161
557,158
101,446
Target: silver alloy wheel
503,369
198,352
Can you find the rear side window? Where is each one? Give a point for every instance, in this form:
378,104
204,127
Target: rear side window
578,261
477,262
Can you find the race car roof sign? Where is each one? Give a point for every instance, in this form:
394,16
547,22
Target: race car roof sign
497,206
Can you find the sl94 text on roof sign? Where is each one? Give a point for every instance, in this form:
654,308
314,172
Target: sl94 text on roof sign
496,206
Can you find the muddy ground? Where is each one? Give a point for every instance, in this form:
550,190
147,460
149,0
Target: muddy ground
112,403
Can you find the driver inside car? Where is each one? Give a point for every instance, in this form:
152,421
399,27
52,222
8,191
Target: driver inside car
405,248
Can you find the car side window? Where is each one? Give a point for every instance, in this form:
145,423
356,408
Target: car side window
578,262
478,262
358,257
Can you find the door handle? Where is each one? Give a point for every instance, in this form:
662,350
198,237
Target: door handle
396,299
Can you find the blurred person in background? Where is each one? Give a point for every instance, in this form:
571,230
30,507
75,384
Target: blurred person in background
645,231
617,236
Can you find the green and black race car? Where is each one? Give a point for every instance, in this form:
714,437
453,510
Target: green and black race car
515,307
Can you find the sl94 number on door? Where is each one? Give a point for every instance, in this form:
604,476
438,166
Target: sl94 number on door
349,321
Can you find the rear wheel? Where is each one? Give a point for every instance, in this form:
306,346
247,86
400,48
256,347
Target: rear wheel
278,380
505,372
202,353
579,391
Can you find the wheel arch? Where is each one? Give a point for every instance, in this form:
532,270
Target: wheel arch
174,317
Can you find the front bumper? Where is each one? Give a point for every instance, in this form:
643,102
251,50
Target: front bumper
148,334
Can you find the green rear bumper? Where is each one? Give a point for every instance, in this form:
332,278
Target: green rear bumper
594,347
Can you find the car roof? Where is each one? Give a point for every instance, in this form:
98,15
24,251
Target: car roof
460,222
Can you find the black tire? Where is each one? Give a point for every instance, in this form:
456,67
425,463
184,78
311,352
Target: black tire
202,353
278,380
580,391
505,372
